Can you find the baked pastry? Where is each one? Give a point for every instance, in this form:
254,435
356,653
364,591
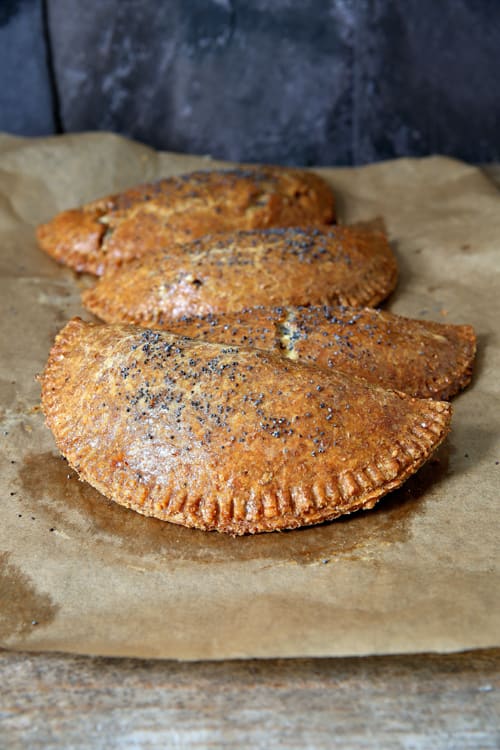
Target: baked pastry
175,210
230,272
420,357
226,438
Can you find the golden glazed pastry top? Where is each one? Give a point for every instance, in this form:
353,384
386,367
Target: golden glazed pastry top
230,272
421,358
225,438
175,210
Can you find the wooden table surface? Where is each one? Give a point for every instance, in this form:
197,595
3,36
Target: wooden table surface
411,702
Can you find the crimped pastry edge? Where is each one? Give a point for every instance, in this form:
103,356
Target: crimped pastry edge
440,387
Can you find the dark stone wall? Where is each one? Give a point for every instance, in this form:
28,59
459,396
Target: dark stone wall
290,81
252,80
26,103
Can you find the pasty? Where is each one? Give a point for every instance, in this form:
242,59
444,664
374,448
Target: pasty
179,209
225,438
229,272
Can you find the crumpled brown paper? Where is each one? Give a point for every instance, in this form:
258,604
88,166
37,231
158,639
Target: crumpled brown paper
419,573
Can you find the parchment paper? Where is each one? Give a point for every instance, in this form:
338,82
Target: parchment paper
418,573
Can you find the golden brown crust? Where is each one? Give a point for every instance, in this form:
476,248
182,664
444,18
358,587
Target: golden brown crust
419,357
227,439
230,272
176,210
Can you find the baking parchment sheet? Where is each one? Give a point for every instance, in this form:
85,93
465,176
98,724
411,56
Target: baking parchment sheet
418,573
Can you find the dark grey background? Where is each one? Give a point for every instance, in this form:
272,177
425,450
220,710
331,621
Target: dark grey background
290,81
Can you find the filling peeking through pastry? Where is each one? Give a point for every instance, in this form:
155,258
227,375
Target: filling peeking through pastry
422,358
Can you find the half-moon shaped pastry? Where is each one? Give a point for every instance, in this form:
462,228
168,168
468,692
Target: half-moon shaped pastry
226,438
159,215
229,272
421,358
